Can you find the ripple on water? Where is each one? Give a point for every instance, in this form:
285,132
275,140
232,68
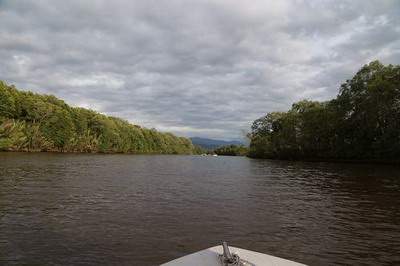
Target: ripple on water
144,210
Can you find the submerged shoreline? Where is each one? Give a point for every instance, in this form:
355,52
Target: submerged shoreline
347,161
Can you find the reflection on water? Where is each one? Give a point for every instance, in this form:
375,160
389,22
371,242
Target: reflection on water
145,210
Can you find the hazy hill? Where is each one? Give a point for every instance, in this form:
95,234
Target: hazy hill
211,144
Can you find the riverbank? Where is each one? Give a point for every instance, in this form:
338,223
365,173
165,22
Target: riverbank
361,123
91,152
35,122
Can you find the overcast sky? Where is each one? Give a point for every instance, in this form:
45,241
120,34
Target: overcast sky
195,68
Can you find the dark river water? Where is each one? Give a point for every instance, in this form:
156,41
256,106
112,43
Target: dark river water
69,209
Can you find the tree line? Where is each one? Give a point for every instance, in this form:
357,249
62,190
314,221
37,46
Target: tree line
361,123
34,122
232,150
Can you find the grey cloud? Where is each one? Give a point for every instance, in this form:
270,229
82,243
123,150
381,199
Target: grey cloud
196,68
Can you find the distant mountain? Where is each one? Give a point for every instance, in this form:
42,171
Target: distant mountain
211,144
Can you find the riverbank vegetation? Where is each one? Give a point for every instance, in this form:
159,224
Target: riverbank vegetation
232,150
361,123
33,122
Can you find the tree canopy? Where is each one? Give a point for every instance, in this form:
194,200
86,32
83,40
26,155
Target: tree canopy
232,150
362,122
33,122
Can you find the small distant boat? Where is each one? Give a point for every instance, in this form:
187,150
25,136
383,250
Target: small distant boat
215,155
230,256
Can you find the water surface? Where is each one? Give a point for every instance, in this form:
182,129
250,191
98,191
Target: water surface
85,209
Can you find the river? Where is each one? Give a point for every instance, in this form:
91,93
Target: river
92,209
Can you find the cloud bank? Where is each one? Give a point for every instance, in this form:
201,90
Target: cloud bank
195,68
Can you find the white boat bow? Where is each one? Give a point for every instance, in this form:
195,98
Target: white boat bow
220,256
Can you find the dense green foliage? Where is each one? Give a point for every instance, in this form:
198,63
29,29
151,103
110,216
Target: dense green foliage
362,123
232,150
33,122
199,150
